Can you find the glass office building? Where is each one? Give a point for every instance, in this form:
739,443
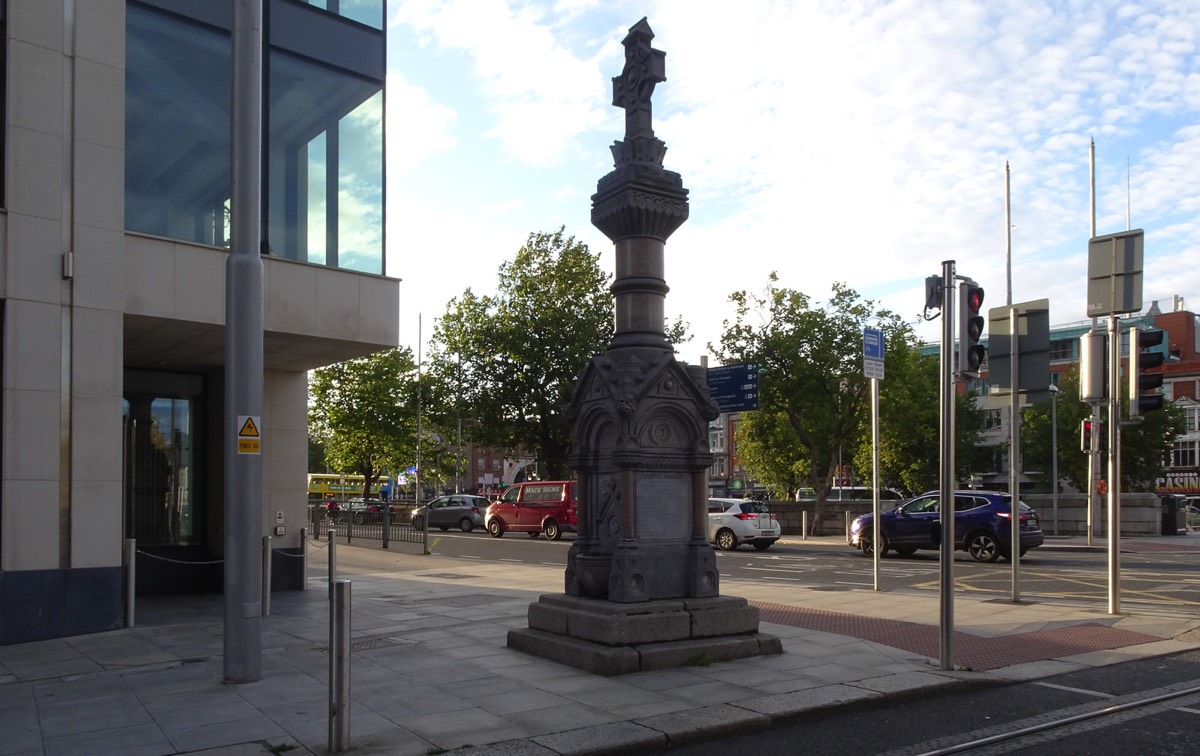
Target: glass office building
114,234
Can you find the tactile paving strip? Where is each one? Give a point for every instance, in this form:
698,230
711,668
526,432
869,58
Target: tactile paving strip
974,651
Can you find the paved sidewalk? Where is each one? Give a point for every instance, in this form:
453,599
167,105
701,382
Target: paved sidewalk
431,671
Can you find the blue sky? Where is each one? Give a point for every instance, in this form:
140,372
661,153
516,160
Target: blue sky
861,142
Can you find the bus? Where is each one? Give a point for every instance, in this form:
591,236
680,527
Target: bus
322,486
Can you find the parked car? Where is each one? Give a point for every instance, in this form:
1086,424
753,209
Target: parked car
462,511
982,527
732,522
360,510
534,507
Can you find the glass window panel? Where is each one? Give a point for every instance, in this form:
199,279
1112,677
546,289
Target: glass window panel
177,83
360,188
368,12
325,166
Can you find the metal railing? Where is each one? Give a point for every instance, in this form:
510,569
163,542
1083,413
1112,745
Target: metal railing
351,524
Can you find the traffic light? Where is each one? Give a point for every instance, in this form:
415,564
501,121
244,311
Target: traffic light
1140,381
970,330
1085,434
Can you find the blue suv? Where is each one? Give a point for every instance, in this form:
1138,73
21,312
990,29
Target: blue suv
982,527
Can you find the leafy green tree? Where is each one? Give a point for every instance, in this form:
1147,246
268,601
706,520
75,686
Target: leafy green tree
364,413
1145,446
758,437
910,425
810,375
510,360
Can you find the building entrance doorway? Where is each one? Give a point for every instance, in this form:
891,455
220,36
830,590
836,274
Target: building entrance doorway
163,501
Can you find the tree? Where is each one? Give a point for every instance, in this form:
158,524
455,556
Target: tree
910,425
1145,446
364,412
510,360
811,382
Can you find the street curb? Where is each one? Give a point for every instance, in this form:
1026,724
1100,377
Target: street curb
691,726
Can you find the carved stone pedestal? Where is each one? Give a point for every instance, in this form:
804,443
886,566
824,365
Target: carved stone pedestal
642,589
610,638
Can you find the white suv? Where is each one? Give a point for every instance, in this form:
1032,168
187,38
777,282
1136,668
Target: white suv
732,522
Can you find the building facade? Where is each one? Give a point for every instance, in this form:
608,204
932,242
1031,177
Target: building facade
114,235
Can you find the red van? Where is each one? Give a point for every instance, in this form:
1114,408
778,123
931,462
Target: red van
536,506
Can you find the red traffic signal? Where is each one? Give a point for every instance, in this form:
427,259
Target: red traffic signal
970,352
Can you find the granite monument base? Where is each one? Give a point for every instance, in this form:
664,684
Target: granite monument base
610,638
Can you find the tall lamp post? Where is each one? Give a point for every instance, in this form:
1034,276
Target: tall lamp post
1054,452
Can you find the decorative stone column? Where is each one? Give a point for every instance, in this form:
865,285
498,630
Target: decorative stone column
642,587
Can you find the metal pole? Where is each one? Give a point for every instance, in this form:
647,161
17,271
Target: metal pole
804,525
339,666
1114,465
875,478
244,355
946,471
266,576
1014,452
1054,452
1094,451
304,559
130,579
332,556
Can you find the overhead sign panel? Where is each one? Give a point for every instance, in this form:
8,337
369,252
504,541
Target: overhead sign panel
734,387
1115,273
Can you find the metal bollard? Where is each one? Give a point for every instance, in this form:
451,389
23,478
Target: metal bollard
339,666
846,529
130,575
387,523
332,556
266,576
304,559
804,526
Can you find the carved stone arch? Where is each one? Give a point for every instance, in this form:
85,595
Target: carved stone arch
669,427
595,436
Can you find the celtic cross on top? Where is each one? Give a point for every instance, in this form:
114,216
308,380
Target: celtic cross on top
644,67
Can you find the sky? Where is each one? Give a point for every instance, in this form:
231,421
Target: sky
826,141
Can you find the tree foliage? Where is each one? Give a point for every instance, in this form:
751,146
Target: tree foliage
813,396
910,426
364,413
509,360
1146,446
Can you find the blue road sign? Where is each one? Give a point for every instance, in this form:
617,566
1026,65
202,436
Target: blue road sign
734,387
872,343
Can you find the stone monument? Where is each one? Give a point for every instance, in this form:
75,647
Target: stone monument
642,587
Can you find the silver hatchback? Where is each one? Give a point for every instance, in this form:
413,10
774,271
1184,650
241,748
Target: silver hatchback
732,522
462,511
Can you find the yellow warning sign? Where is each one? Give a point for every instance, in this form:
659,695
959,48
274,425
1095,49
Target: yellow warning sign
249,440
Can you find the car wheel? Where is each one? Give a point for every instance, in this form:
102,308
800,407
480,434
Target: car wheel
726,540
868,546
906,551
418,523
360,518
983,547
551,530
762,545
495,528
465,525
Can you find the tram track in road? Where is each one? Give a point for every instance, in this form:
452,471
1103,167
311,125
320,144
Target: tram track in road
1110,711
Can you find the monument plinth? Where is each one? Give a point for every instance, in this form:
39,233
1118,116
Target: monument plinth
642,586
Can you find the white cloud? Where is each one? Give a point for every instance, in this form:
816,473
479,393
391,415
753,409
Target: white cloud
862,142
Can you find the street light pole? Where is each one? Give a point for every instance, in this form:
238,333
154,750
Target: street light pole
1054,452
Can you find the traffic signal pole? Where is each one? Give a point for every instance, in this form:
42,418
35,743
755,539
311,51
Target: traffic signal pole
946,470
1014,451
1114,463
